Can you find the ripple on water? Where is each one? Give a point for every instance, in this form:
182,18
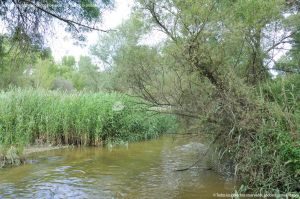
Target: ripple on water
144,170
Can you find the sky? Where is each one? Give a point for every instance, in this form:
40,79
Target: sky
61,42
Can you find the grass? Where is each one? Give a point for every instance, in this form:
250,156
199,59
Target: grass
272,162
30,117
257,136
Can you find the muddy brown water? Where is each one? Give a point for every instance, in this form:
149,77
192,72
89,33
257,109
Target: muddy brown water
141,170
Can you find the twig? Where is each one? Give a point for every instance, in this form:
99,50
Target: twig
68,21
189,167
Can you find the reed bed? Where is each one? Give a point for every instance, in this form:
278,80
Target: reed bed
30,117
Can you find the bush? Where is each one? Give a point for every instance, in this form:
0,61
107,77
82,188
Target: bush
272,162
257,135
62,85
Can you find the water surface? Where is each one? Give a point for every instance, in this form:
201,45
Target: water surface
141,170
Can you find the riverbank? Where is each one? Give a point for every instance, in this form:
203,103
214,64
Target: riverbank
38,149
14,156
37,117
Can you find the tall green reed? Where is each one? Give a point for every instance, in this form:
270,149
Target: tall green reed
39,116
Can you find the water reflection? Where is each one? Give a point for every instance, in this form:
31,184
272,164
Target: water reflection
143,170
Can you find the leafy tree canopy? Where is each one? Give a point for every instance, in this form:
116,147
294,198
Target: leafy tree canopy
28,21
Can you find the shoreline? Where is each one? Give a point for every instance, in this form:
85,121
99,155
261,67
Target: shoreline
12,157
38,149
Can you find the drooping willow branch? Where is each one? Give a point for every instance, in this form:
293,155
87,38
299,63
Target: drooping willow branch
66,20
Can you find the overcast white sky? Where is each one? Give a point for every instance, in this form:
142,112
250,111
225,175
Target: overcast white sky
62,43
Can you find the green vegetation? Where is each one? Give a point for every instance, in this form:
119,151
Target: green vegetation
214,69
217,68
90,119
27,22
269,160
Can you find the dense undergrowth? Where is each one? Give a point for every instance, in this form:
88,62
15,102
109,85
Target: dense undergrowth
258,137
36,117
278,145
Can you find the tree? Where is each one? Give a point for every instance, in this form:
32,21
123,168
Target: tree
28,21
128,33
41,75
290,62
62,84
210,68
69,61
227,53
12,64
89,72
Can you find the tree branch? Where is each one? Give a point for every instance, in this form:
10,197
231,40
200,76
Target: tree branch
151,8
280,42
68,21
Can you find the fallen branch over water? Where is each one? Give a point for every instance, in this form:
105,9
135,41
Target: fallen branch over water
204,154
191,166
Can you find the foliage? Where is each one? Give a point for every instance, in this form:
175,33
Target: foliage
89,73
290,62
10,156
277,147
214,67
62,84
16,64
29,116
12,64
28,21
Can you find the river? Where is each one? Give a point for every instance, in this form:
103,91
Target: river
140,170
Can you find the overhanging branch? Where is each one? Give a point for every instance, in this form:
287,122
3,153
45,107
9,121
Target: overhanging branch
68,21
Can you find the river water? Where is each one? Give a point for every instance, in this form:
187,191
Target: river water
140,170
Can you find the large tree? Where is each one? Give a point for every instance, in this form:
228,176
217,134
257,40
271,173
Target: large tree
28,22
210,67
